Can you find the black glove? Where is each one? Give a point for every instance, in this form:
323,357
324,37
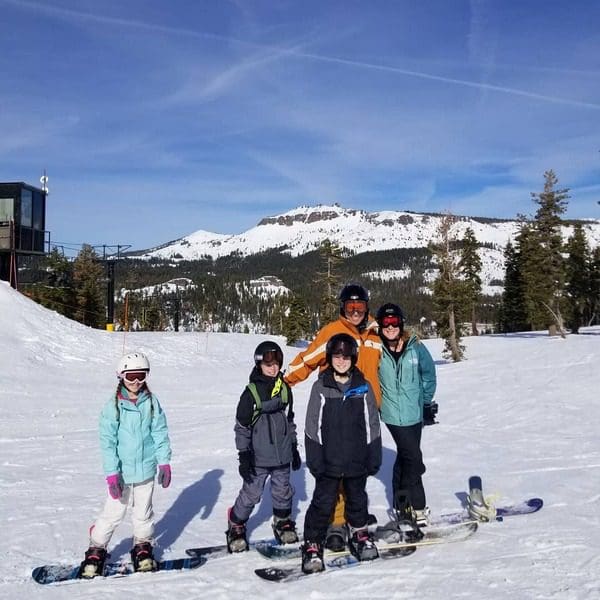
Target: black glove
429,412
296,460
246,468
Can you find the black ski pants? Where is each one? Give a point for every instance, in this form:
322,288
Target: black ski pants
409,466
323,502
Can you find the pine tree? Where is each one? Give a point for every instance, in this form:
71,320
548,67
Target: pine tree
594,302
88,275
513,315
543,270
328,279
296,323
578,278
448,291
57,292
470,268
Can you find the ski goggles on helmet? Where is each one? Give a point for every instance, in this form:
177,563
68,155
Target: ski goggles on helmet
131,376
269,356
355,306
343,348
390,321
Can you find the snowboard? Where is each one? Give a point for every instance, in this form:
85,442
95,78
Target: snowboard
475,497
221,549
441,535
58,573
333,563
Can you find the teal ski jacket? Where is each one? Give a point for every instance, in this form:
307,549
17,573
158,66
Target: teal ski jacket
133,437
406,385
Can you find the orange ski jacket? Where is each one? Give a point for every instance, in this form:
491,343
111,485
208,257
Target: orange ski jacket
369,352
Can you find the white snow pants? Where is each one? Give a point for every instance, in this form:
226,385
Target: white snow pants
139,496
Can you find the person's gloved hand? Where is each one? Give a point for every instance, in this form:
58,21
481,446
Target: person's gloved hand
429,412
246,468
296,460
164,475
115,485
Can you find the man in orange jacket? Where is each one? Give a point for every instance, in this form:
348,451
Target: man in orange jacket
353,320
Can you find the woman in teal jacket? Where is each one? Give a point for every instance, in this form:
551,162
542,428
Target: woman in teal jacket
134,441
408,381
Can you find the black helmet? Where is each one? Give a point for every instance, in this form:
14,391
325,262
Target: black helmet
268,351
342,343
390,310
354,291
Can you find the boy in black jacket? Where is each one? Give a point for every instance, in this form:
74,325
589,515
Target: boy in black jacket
265,437
343,445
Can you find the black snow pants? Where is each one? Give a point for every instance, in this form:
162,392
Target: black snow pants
409,466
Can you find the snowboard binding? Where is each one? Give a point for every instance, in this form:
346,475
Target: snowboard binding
479,508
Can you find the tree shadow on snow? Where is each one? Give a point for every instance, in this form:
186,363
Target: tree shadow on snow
197,499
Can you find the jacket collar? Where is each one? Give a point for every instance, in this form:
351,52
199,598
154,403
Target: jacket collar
356,378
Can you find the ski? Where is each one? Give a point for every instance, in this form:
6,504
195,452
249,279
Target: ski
455,533
59,573
332,564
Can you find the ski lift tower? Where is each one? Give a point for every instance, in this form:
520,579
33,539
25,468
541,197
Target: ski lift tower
22,225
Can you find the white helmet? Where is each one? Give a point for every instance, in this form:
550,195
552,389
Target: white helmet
136,361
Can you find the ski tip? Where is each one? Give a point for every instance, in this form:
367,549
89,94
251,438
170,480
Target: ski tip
535,503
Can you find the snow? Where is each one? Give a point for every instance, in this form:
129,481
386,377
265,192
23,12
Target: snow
304,228
522,412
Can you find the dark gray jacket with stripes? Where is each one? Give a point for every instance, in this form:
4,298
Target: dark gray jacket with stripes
272,435
342,432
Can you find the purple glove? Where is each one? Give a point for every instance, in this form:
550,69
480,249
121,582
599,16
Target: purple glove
164,475
115,485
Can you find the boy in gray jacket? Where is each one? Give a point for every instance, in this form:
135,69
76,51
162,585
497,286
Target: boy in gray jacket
265,436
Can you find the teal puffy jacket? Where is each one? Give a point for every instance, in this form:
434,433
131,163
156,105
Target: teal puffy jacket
134,437
406,385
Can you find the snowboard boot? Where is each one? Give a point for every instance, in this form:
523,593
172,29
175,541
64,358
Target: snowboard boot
312,557
236,534
93,564
142,557
284,530
361,543
336,538
406,517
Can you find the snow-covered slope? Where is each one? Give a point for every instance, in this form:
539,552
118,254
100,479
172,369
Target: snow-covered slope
303,229
522,412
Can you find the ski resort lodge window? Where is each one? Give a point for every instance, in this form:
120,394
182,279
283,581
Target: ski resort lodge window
7,210
26,208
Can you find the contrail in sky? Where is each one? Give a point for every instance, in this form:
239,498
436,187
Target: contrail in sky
83,16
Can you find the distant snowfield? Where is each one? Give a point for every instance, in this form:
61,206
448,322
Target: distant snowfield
522,412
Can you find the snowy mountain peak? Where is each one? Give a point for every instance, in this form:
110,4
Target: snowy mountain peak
304,228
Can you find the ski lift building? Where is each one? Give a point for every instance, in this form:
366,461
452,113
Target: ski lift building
22,224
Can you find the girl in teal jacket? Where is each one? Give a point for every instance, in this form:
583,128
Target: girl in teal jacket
408,381
134,441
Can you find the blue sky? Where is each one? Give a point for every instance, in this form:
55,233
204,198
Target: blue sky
155,119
